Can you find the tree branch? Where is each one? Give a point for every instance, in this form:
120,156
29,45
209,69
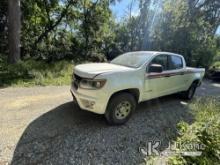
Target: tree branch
50,27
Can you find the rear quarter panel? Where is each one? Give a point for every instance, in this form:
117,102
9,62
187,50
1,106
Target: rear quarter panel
192,74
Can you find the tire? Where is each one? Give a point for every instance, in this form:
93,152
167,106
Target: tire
188,95
120,108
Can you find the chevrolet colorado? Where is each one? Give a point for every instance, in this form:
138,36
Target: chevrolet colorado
114,89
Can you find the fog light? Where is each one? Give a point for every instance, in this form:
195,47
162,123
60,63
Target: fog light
87,103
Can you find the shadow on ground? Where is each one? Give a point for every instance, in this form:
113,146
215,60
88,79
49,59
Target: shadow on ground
72,136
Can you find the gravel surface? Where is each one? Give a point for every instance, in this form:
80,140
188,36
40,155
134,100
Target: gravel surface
41,125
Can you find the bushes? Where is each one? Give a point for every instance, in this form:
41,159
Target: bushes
216,64
204,131
40,72
33,72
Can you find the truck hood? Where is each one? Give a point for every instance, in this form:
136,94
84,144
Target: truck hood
94,69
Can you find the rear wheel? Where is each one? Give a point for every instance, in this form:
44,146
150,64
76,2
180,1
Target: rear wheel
120,108
190,92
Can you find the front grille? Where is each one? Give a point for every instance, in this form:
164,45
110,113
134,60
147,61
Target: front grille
76,80
77,77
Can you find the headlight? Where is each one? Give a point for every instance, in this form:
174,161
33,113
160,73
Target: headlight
91,84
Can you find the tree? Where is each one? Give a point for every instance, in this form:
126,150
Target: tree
14,30
3,27
54,29
94,26
42,20
185,28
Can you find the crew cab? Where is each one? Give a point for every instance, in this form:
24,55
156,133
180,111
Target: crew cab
114,89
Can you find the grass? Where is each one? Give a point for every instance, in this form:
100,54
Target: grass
31,73
203,132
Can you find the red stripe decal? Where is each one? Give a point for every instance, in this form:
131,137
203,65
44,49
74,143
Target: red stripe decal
160,75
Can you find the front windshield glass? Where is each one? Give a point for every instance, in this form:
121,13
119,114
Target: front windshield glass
133,60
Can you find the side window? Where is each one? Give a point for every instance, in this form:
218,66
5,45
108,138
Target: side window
162,60
175,62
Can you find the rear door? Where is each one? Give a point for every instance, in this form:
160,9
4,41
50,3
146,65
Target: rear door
176,73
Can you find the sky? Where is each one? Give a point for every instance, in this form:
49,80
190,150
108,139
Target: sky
119,10
218,31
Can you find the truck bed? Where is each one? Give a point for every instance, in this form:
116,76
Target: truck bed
191,69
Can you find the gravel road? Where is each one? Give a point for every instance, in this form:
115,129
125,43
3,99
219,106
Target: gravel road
41,125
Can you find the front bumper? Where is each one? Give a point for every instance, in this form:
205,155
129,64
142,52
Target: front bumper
90,100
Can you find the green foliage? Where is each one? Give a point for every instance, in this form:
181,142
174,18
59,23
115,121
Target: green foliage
216,64
85,30
44,31
54,30
32,72
69,29
204,131
179,26
94,29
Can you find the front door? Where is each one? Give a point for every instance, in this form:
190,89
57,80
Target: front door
157,84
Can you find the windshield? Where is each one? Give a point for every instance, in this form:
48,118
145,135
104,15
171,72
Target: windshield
134,60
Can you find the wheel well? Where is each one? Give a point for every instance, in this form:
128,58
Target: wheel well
197,81
133,91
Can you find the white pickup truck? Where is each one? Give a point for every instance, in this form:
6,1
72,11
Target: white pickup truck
114,89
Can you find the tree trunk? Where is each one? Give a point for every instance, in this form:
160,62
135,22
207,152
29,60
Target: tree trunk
14,30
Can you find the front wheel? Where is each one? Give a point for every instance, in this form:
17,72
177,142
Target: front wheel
120,108
190,92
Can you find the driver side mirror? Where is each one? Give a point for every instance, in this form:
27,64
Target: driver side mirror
155,68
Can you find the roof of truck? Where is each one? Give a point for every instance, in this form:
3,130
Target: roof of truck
154,52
